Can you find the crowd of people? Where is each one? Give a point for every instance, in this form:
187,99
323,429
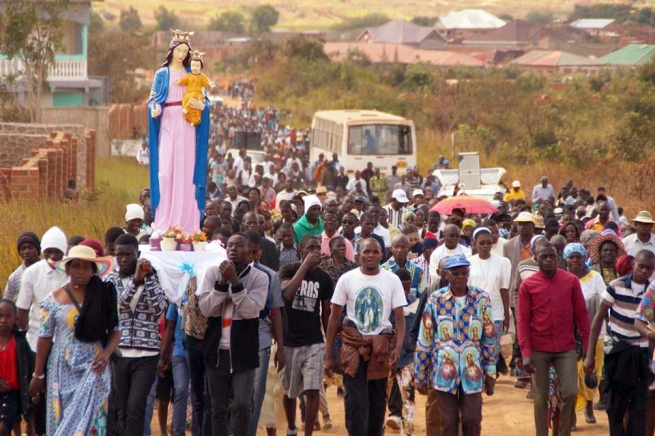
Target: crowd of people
341,277
367,288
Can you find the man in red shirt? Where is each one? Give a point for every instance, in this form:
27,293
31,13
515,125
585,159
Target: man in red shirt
550,306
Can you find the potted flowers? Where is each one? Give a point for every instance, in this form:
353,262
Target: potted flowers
199,240
169,238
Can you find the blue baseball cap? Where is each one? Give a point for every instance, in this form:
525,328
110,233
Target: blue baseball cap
456,261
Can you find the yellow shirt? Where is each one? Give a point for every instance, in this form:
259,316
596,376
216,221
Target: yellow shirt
514,195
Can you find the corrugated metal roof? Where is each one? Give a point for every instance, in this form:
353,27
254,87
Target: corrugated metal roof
555,58
592,23
471,19
631,54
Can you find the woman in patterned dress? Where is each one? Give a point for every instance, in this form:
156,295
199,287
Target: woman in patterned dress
77,337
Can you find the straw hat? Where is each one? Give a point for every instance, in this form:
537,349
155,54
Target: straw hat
88,254
644,217
594,248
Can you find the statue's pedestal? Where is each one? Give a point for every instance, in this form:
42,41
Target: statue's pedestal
176,269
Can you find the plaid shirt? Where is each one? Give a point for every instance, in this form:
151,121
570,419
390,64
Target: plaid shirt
418,276
13,283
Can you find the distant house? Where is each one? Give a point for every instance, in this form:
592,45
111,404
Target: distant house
604,28
467,22
556,61
67,83
515,34
630,55
404,32
519,36
382,53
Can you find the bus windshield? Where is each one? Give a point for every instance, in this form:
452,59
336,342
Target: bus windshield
379,139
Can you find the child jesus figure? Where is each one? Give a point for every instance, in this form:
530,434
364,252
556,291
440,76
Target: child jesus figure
195,81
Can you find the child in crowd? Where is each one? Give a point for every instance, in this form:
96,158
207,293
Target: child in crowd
15,370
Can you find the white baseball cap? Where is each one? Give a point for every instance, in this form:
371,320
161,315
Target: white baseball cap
400,195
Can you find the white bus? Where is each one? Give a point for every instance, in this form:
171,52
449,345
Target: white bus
362,136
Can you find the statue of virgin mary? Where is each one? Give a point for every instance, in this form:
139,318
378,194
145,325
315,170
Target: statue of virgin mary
178,150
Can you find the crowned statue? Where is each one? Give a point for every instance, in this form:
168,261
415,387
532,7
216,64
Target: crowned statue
178,148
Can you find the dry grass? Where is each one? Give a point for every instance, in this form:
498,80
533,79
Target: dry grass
119,181
629,183
306,14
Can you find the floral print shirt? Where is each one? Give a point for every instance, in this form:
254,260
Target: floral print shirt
457,344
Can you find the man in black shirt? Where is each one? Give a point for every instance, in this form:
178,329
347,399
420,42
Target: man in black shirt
304,286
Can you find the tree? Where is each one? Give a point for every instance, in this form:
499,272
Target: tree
115,55
228,21
540,18
97,23
263,18
301,47
424,21
166,18
130,20
30,32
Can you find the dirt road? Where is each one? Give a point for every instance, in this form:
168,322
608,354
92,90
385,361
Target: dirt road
506,413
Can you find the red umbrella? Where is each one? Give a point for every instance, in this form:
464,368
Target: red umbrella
467,203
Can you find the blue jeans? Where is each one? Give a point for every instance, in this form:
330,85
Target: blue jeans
261,375
200,402
181,383
150,408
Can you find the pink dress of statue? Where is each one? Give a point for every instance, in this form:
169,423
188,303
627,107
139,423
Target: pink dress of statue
177,153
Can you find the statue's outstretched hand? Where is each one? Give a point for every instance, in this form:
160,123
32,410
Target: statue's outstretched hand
176,81
155,111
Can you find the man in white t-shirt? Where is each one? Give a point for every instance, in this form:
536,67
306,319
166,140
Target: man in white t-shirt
38,281
450,247
238,164
370,294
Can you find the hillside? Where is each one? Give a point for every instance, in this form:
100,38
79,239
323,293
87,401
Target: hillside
309,14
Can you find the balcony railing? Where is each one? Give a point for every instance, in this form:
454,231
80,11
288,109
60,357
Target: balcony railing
61,70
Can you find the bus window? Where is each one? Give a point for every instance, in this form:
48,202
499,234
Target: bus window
380,139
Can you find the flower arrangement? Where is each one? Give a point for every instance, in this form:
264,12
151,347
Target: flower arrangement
199,237
172,233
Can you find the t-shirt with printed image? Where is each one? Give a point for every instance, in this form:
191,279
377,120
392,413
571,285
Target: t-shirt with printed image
302,314
370,299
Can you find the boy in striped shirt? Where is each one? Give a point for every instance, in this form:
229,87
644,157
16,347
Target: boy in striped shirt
626,359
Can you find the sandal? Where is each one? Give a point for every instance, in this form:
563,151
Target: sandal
589,419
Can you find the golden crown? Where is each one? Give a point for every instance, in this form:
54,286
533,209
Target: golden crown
197,55
181,36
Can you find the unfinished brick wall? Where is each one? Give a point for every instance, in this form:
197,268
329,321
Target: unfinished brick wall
124,118
46,170
21,139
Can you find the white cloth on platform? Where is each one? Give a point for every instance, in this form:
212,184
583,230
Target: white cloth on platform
176,268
